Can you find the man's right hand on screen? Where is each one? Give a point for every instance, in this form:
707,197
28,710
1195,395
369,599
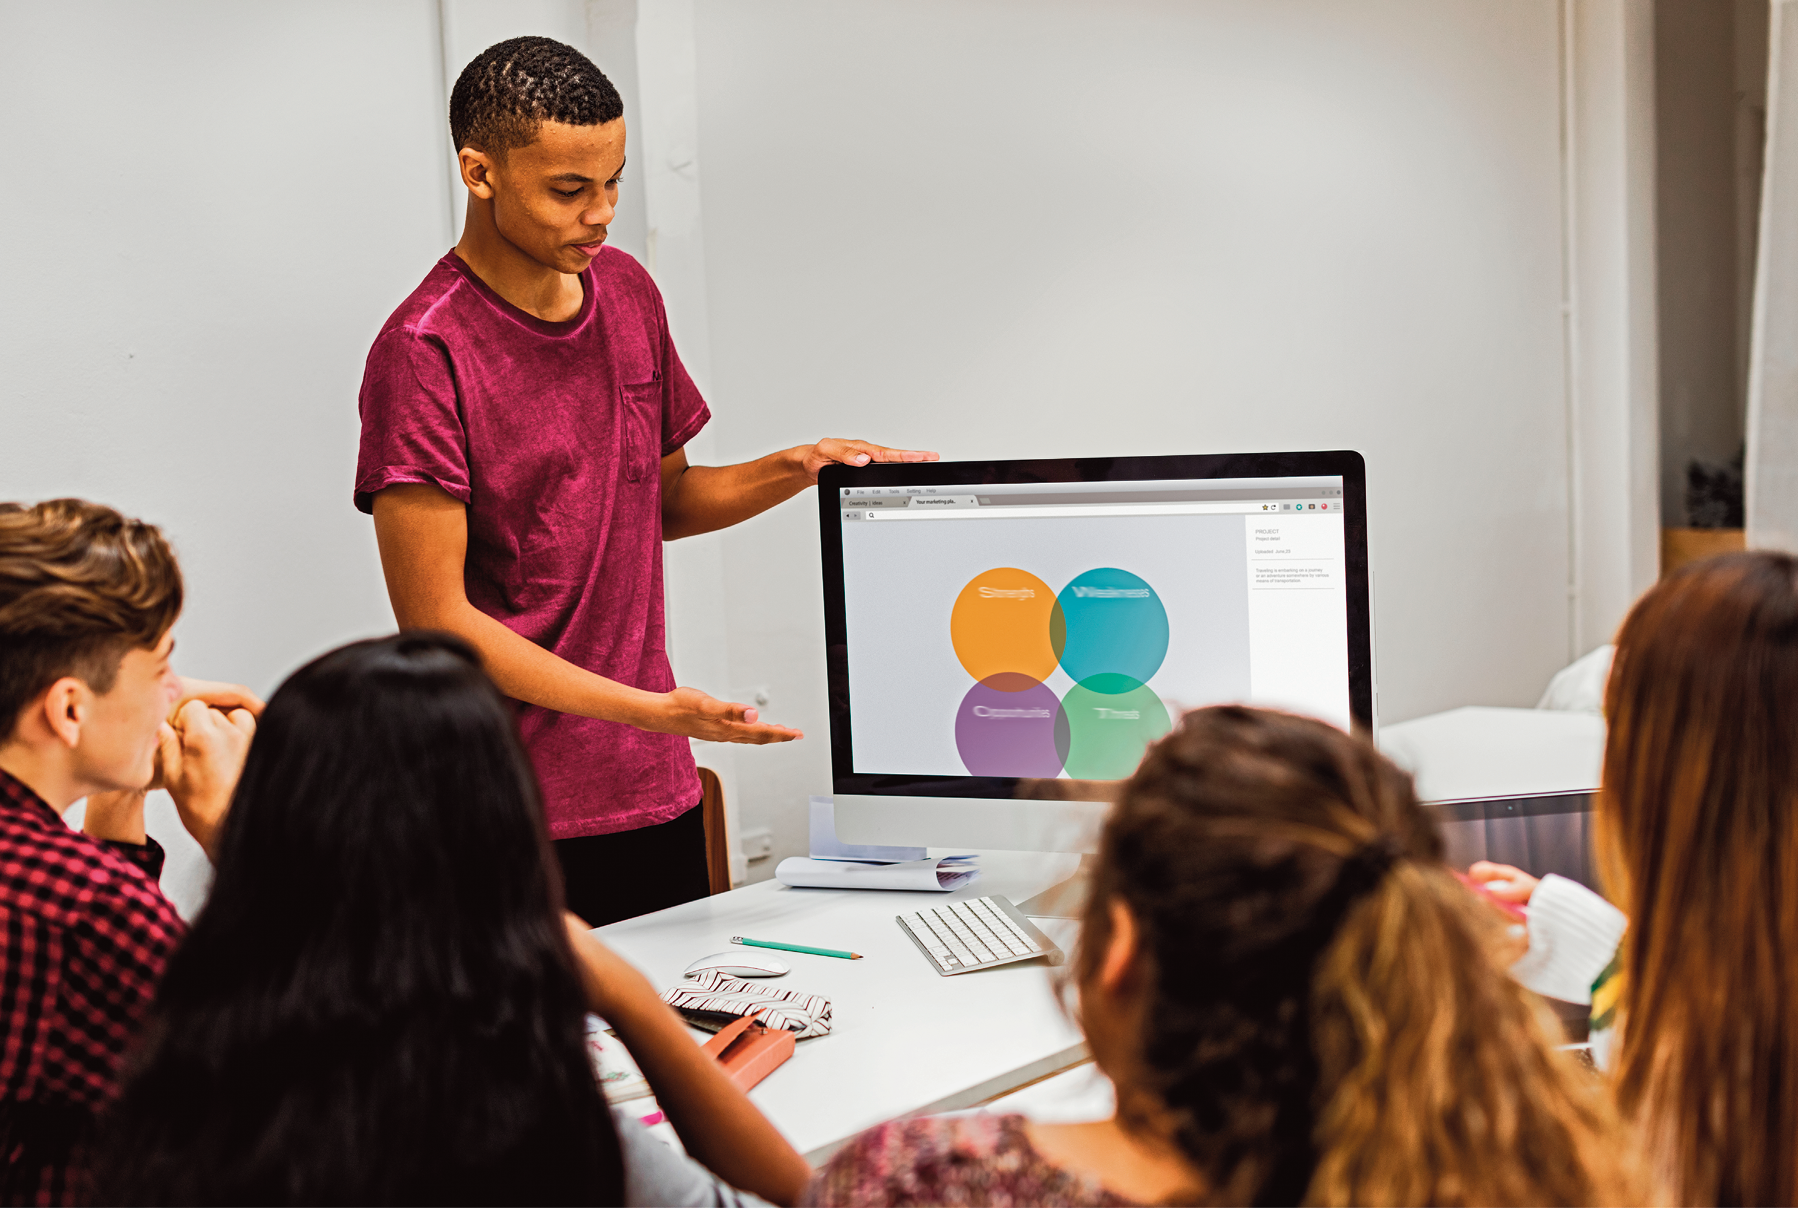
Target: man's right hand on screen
693,714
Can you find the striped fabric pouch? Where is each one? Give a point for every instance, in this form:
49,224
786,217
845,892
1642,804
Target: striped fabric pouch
714,999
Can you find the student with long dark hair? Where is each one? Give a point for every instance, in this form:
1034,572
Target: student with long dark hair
381,1002
1296,1001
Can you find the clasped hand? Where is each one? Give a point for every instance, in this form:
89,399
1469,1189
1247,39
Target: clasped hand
201,754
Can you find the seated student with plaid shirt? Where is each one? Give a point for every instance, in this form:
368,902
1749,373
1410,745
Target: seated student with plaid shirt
87,600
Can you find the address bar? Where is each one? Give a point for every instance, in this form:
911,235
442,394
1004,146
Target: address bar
1054,511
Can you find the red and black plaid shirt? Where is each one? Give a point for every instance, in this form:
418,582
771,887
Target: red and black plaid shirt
84,935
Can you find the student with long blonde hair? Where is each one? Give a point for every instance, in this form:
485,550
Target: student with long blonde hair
1297,1003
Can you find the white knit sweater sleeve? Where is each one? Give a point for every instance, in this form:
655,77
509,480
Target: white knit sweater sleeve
1573,935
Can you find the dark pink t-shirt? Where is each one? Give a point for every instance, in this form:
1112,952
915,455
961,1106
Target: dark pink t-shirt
552,434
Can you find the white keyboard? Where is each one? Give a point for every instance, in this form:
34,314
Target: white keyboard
976,934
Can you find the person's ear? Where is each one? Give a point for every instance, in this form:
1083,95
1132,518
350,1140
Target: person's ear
477,172
1119,961
67,705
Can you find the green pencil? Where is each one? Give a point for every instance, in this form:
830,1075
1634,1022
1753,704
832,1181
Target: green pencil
848,956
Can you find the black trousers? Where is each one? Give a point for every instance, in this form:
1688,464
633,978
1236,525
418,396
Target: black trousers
606,878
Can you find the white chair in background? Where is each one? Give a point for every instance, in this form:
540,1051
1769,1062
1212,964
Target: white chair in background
1579,686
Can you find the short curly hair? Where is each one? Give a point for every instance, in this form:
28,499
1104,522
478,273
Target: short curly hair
79,586
513,87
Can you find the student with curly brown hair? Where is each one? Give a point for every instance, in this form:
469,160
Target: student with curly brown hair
1297,1003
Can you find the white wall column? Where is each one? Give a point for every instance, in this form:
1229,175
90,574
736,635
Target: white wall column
1612,371
657,76
1772,469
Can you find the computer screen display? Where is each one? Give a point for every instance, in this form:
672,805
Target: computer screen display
997,621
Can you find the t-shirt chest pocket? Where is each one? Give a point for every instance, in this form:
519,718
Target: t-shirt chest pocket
641,418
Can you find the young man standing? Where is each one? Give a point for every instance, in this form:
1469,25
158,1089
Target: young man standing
524,417
87,599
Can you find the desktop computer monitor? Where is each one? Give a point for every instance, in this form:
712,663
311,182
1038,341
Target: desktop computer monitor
1004,638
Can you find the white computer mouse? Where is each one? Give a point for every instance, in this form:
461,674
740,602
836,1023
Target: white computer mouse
738,964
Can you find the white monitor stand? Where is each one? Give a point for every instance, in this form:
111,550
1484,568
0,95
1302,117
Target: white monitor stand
1002,825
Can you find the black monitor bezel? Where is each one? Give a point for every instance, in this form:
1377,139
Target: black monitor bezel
1344,463
1532,805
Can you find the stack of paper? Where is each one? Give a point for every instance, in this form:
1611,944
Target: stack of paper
940,874
837,865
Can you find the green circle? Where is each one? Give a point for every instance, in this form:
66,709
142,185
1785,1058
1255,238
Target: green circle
1106,722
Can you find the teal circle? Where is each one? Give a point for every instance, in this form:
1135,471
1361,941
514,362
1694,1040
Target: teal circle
1102,733
1116,630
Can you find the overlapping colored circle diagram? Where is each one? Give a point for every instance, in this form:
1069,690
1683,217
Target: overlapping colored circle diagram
1107,630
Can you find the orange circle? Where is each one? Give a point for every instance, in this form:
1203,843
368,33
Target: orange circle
1007,621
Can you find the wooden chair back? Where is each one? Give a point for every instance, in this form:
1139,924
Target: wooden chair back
717,833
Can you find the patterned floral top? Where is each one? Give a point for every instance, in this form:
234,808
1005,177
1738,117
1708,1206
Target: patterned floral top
950,1161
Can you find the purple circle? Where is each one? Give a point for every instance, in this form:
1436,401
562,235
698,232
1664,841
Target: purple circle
1006,727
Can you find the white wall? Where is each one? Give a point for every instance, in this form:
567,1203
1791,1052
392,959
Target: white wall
992,227
222,203
1014,228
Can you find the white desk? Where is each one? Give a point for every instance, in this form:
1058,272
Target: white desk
906,1041
903,1040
